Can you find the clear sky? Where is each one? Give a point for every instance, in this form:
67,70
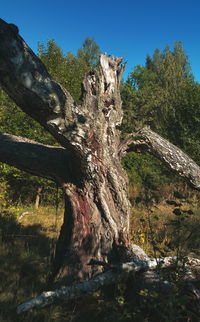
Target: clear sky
131,29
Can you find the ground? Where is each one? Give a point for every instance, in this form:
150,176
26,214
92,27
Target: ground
27,247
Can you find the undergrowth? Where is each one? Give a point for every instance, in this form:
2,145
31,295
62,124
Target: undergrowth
27,242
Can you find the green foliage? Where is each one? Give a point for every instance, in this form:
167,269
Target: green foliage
163,94
16,122
18,186
69,69
89,52
144,170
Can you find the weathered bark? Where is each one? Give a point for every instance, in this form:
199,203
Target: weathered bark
97,216
36,158
88,167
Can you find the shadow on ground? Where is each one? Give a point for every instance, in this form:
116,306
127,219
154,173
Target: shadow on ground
24,264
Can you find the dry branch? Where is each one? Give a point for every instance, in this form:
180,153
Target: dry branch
115,274
69,293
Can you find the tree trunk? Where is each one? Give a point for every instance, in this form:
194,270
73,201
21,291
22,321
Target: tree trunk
96,220
38,197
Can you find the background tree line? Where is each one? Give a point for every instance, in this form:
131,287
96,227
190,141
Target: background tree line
162,94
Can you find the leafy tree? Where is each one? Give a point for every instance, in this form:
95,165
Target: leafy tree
70,69
153,92
164,95
89,52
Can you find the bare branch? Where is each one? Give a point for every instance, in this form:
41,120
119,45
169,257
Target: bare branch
168,153
69,293
38,159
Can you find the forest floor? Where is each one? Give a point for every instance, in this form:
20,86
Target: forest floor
27,241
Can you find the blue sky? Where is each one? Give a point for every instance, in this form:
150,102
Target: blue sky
131,29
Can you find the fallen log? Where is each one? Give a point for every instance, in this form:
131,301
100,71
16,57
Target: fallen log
116,273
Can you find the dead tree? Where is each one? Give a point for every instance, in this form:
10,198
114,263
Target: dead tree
87,165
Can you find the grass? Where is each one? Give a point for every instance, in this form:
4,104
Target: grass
25,257
167,228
